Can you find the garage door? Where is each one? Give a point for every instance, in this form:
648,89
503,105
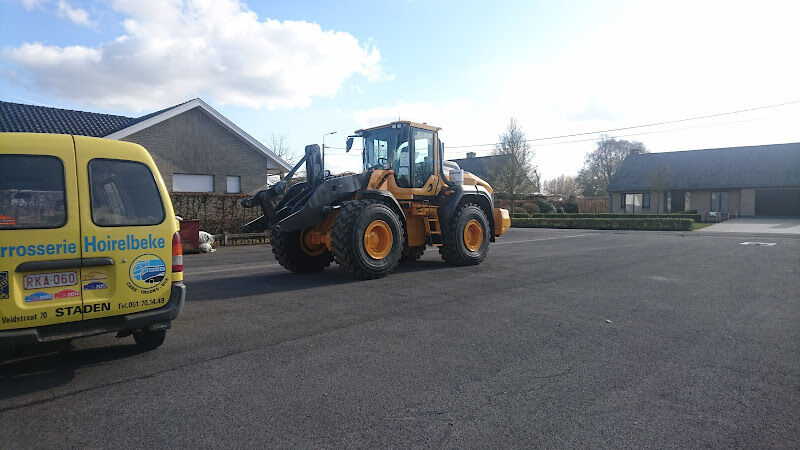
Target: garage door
778,202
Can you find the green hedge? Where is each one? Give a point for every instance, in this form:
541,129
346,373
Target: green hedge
695,217
594,223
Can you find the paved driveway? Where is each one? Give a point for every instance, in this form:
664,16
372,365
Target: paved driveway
560,339
769,225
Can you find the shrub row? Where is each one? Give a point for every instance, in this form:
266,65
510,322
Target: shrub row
594,223
695,217
218,213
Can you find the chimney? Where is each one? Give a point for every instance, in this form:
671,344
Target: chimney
470,154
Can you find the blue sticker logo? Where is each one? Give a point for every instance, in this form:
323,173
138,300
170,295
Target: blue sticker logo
147,270
3,285
38,297
94,285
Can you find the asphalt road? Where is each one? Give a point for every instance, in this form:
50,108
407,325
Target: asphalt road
561,338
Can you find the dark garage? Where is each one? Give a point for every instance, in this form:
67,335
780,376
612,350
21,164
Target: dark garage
778,202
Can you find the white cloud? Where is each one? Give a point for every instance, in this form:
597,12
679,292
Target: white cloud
78,16
174,50
657,61
33,4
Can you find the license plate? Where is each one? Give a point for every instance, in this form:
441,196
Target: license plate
46,280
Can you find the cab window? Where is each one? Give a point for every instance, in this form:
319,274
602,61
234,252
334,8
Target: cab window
423,156
32,193
124,193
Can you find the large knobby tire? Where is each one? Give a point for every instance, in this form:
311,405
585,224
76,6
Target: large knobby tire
147,340
412,254
289,252
466,237
367,239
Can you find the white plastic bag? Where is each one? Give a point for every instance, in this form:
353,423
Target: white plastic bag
206,242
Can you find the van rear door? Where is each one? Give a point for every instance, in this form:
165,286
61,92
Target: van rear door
40,254
123,220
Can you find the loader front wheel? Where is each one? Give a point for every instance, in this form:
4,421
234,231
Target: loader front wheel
466,237
292,253
367,239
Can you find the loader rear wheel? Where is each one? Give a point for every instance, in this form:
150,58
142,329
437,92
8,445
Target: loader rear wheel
411,254
294,254
466,237
367,239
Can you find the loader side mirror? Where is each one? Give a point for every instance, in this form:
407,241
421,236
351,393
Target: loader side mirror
349,144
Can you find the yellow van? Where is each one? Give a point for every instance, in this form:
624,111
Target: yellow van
88,241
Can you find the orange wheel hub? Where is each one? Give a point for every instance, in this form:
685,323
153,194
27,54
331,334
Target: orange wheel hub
378,239
310,245
473,235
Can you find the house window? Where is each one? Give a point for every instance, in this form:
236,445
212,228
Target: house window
668,202
182,182
687,201
646,200
234,185
719,202
633,202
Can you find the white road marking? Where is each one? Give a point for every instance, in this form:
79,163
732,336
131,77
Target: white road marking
240,267
540,239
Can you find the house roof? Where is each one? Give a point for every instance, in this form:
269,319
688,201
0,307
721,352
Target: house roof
16,117
720,168
479,165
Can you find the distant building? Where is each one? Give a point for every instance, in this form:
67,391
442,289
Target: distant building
760,180
196,148
482,166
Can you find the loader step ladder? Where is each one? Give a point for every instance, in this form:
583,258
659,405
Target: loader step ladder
433,230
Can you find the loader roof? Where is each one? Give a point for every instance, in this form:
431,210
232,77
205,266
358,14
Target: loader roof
423,125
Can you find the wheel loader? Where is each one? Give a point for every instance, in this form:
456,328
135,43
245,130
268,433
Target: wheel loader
407,198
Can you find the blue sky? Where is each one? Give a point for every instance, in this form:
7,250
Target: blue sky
559,67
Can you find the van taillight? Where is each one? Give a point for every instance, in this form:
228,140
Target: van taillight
177,253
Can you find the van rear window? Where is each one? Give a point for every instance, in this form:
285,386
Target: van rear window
124,193
32,193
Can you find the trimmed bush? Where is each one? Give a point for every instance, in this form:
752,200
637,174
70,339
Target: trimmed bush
681,213
531,208
695,217
519,210
593,223
571,207
559,210
520,216
545,207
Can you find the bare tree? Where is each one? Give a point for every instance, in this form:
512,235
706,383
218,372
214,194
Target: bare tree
277,143
512,171
562,185
601,164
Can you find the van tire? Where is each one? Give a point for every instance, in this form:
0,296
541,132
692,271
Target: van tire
149,340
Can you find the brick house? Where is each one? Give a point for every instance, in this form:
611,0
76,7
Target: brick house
196,148
761,180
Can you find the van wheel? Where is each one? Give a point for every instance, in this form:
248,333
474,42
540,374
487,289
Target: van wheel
149,340
466,238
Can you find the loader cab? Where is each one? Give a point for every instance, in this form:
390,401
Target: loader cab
411,150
